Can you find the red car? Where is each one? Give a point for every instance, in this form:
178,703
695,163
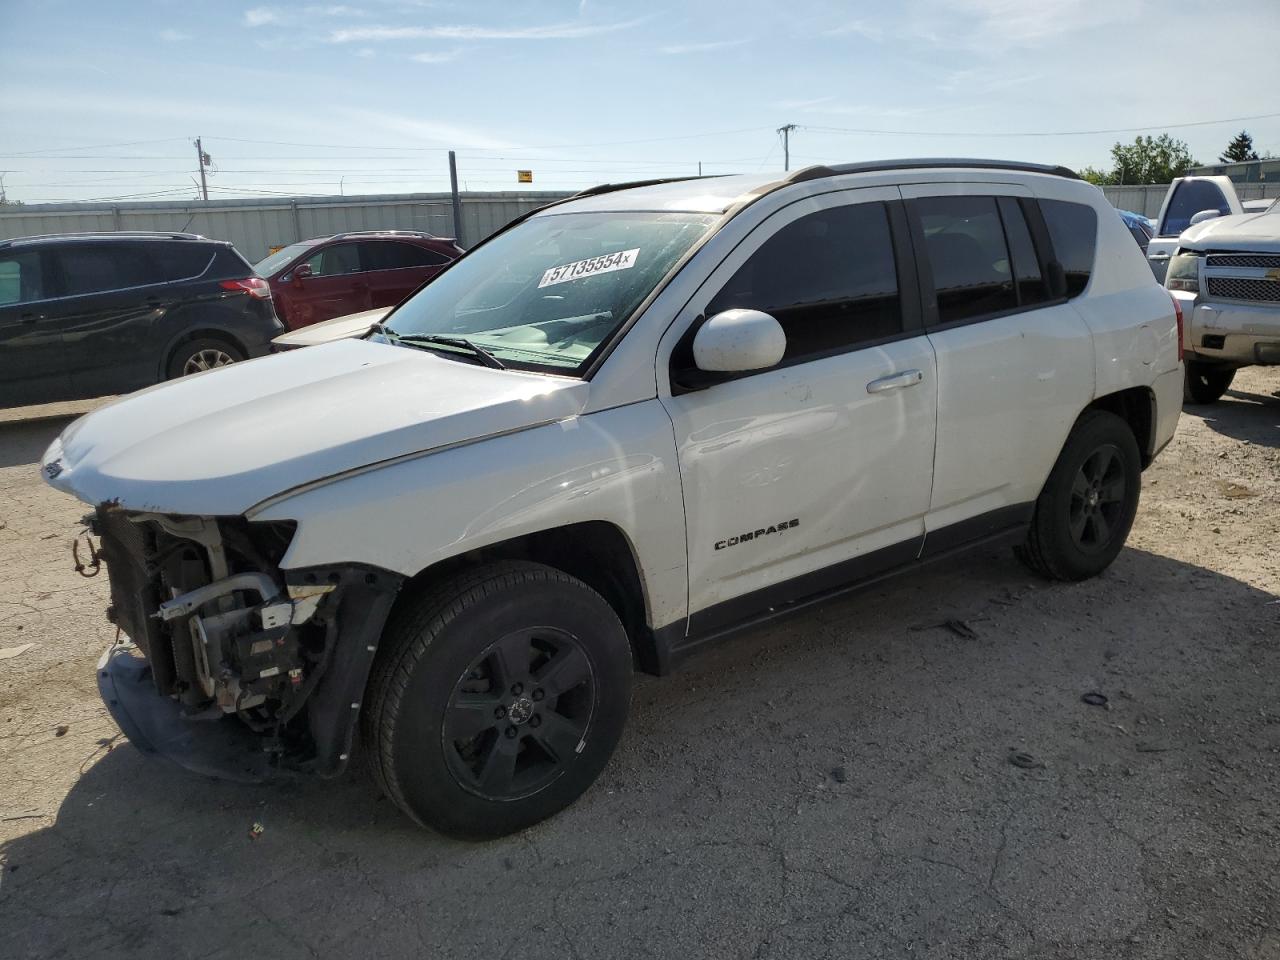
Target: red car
328,277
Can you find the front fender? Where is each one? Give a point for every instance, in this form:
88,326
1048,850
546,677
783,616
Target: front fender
617,466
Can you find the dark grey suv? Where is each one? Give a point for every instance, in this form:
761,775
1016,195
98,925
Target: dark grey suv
85,315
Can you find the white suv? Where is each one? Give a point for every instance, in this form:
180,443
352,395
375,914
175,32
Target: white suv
627,425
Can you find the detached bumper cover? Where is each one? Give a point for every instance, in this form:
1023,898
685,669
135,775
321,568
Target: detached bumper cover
224,748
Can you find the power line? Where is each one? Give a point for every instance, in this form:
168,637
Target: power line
95,146
1040,133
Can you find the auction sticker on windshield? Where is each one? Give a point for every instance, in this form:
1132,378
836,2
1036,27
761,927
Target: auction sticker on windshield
605,263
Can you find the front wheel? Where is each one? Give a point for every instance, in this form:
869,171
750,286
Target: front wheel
1088,504
496,699
1205,382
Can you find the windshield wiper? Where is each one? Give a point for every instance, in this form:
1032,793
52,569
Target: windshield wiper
480,353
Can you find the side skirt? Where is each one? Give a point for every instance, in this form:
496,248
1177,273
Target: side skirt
675,642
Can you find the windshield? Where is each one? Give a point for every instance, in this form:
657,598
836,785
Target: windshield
547,293
274,261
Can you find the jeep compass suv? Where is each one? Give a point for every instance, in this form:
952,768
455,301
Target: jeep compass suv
629,424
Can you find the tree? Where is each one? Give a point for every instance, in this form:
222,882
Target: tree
1240,148
1150,160
1099,178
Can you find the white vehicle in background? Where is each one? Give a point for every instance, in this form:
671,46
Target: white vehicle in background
1190,200
326,331
623,427
1225,273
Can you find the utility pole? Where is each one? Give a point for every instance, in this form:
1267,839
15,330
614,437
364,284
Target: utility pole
699,168
202,159
457,201
785,130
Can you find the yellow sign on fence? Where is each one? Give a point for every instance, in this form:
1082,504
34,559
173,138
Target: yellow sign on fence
524,176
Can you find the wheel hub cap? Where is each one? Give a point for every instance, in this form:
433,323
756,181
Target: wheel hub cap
521,710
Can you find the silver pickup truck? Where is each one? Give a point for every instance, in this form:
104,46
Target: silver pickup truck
1224,273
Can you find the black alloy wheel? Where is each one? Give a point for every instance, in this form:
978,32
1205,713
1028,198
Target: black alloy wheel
520,714
1098,499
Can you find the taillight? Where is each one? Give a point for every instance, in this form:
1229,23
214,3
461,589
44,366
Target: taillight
1177,309
255,287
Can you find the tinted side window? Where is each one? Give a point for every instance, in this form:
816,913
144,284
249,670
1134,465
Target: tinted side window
1073,230
394,255
829,278
21,278
179,260
1030,283
1189,198
97,268
336,260
964,240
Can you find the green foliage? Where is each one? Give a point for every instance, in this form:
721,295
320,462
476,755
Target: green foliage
1146,160
1240,148
1150,160
1099,178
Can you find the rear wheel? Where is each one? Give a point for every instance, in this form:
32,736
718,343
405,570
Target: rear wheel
206,353
1205,382
497,699
1084,514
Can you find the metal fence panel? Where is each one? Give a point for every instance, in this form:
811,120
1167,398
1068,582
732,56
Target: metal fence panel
258,226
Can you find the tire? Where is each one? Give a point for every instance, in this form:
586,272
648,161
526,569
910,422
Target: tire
206,353
496,699
1205,382
1086,509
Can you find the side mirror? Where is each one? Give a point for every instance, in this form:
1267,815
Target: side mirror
1202,216
735,341
301,272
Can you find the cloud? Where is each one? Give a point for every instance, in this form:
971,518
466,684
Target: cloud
260,17
264,16
857,27
444,134
994,26
555,31
365,52
440,56
683,48
174,36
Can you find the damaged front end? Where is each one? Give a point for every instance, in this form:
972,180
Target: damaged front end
236,668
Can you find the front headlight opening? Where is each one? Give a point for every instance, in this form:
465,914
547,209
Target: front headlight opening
1184,273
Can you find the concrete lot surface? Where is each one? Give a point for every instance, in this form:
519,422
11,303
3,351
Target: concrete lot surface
839,784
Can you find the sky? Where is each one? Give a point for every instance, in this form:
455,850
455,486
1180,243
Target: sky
102,100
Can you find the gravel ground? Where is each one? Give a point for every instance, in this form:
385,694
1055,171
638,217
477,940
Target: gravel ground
838,784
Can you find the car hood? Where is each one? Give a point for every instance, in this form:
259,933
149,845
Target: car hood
1250,232
218,443
339,328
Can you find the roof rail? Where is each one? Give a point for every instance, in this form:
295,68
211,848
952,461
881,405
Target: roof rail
628,185
107,235
387,233
968,163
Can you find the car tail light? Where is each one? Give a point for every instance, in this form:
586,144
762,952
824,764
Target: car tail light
1177,309
255,287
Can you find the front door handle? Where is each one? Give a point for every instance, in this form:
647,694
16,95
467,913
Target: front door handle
895,381
30,317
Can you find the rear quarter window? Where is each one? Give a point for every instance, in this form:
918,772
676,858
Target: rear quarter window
169,262
1073,231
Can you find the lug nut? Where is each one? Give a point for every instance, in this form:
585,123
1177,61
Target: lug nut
499,713
538,694
511,733
535,721
517,689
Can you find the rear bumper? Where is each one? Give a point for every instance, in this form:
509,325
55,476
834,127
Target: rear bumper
1168,393
224,748
1239,334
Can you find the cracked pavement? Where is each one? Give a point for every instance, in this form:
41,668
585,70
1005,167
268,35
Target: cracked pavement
837,784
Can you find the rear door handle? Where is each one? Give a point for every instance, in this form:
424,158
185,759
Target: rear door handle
30,317
895,381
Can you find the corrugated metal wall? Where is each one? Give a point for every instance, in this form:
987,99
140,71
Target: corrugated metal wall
256,226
